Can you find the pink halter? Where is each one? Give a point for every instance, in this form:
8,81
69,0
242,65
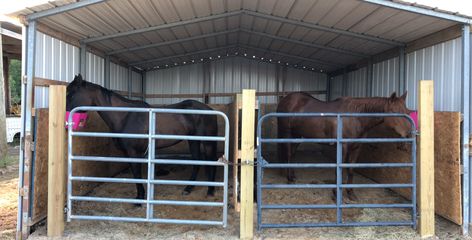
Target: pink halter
79,120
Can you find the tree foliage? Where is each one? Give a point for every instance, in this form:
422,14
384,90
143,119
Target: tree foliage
15,81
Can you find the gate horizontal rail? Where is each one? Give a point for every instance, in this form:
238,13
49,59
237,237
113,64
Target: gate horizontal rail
339,166
144,160
151,161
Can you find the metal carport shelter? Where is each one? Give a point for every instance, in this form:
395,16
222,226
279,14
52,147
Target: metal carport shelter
331,37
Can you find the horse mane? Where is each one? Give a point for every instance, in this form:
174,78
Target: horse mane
109,93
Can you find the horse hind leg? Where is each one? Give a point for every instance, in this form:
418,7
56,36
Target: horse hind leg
210,154
288,150
194,147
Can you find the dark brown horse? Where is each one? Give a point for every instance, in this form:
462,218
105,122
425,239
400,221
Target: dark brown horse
83,93
317,127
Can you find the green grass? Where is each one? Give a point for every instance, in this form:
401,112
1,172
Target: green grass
8,160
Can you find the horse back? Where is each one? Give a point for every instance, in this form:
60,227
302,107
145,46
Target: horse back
313,127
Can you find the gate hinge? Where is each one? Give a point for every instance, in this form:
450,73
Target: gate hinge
23,191
462,169
32,146
24,79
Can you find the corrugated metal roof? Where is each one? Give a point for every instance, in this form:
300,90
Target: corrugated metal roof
283,23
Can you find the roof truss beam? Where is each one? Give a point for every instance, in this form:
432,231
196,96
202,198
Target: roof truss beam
11,34
62,9
422,11
323,28
172,42
307,44
163,26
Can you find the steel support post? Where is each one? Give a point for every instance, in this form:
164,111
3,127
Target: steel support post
401,71
83,60
465,126
107,72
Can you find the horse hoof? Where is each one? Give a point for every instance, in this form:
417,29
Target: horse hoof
162,172
352,197
292,180
186,192
137,204
210,194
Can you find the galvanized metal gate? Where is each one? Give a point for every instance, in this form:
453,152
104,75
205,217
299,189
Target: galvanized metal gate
339,166
151,161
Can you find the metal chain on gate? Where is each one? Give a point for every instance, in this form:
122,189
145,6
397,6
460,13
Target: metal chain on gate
222,159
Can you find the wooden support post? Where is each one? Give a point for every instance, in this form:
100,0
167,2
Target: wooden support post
56,161
426,160
247,164
235,147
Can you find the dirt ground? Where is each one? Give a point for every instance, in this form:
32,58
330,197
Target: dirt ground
120,230
9,196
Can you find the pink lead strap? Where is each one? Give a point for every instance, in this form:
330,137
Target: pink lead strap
414,116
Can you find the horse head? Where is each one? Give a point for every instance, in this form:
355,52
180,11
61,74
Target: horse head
398,105
79,93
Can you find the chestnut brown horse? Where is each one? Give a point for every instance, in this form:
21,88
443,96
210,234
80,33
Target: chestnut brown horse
83,93
324,127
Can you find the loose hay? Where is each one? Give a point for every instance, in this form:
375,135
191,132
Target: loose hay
120,230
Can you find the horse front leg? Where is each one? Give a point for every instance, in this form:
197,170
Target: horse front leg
355,150
194,147
137,174
345,156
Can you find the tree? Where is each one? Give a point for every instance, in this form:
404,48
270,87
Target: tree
15,81
3,132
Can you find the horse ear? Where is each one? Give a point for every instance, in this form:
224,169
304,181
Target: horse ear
404,96
394,95
78,78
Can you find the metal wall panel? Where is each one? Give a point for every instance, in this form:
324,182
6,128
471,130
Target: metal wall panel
55,60
441,63
385,79
177,80
95,71
230,75
301,80
357,83
118,77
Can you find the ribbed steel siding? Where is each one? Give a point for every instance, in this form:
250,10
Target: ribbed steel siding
118,77
177,80
336,90
441,63
55,60
357,83
231,75
95,69
300,80
385,79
